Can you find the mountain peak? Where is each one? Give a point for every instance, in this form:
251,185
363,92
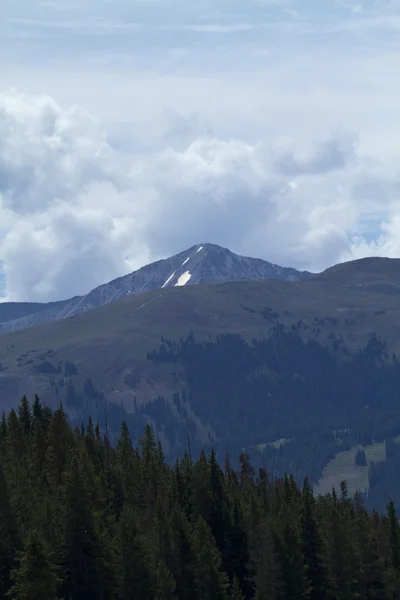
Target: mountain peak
207,262
202,263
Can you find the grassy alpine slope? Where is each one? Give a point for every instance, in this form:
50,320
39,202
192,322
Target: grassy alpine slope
354,300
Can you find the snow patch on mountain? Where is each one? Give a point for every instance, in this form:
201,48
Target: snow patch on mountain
185,261
184,278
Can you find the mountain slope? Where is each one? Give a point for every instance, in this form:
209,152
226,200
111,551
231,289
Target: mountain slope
199,264
16,311
110,341
292,370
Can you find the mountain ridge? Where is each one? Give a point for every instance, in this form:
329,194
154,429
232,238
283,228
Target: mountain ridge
202,263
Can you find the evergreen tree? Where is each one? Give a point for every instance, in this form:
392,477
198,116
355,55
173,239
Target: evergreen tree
149,447
182,559
211,583
312,548
342,551
37,411
15,442
201,498
394,536
3,428
266,567
182,484
236,557
163,583
134,560
236,592
360,458
372,584
84,569
8,536
24,415
295,583
60,447
128,468
36,577
217,513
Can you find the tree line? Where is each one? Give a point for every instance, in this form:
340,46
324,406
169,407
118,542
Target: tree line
81,519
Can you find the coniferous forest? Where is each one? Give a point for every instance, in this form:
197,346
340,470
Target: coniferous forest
81,519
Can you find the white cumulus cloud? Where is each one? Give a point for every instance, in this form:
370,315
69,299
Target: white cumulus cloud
75,211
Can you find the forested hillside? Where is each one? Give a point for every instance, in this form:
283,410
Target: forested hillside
301,375
292,404
81,519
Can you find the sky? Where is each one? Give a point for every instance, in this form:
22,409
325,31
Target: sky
131,130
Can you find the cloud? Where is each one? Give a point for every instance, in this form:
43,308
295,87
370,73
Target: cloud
141,128
46,154
76,211
61,199
331,155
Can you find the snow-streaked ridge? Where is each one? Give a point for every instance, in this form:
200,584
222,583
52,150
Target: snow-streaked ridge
168,280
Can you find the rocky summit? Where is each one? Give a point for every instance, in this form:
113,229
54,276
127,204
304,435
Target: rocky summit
203,263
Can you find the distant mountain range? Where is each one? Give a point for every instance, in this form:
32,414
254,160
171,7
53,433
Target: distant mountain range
205,263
